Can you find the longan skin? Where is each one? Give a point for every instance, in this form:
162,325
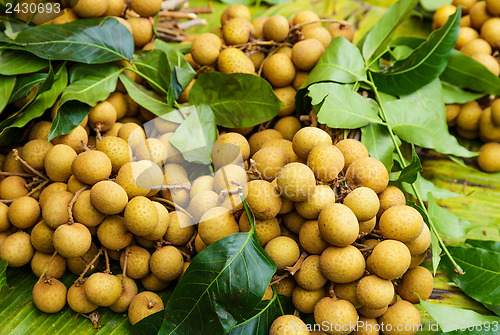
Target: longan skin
216,224
418,280
326,161
374,292
368,172
310,209
390,259
307,138
284,251
340,313
309,275
288,325
489,159
279,70
390,197
310,238
401,313
296,182
338,225
49,296
402,223
305,300
364,203
421,243
352,150
342,265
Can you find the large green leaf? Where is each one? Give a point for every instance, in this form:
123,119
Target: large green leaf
410,173
238,100
144,97
264,315
452,318
339,106
20,316
96,85
221,286
378,38
424,64
24,84
447,223
342,62
377,140
481,280
196,135
13,62
455,95
488,245
68,116
3,278
7,85
91,41
420,118
465,72
153,66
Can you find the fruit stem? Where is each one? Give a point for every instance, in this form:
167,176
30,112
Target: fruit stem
457,267
47,267
35,172
125,263
79,280
106,257
297,26
71,220
298,264
171,203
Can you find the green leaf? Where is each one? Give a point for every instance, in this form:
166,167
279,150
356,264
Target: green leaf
221,285
480,329
24,84
40,104
68,116
420,118
98,83
377,140
264,315
196,135
447,223
424,187
465,72
149,325
245,100
3,278
435,250
144,97
338,106
481,280
424,64
452,318
20,316
153,66
378,38
7,85
433,5
483,244
410,173
91,41
342,62
455,95
14,62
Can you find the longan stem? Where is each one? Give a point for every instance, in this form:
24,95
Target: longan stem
277,279
79,281
125,263
106,257
433,229
18,174
298,264
35,172
298,26
48,266
191,241
72,202
331,291
171,203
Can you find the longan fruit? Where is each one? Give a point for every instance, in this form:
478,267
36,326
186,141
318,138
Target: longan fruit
41,238
234,11
230,148
216,224
113,233
146,8
466,35
489,159
284,252
306,53
488,62
296,182
421,243
288,324
305,300
305,16
205,48
307,138
34,153
103,289
77,300
49,295
143,305
40,262
89,8
276,28
279,70
340,315
142,30
310,238
57,162
342,28
402,223
326,161
319,33
476,46
180,229
390,197
479,14
72,240
347,291
416,283
269,161
374,292
102,115
166,263
309,275
368,172
233,60
389,259
258,139
342,265
288,126
236,31
90,167
16,249
266,229
310,209
402,318
338,225
116,149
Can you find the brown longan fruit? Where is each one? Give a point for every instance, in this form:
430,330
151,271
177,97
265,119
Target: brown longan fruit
305,300
141,216
306,53
338,314
338,225
266,230
89,8
416,283
276,28
216,224
305,16
479,14
488,62
236,31
201,203
326,161
230,148
180,230
146,8
72,240
40,131
401,315
40,262
293,221
287,148
389,259
24,212
55,209
342,265
466,4
49,295
342,28
307,138
116,149
309,275
296,182
205,48
167,263
77,139
234,11
84,212
288,126
13,187
269,161
258,139
16,249
364,203
466,35
4,217
495,112
233,60
113,233
279,70
77,300
288,324
263,199
90,167
319,33
153,283
368,172
102,115
487,129
58,162
347,291
402,223
103,289
34,153
441,15
421,243
310,209
108,197
390,197
137,261
310,238
284,251
143,305
489,159
374,292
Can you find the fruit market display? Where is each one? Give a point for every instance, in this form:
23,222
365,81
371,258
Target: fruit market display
260,176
